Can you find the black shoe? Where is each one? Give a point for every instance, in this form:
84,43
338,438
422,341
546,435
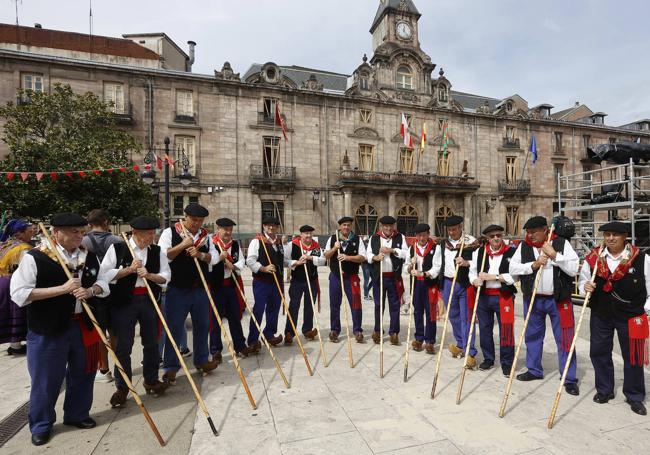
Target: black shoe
637,407
41,438
601,398
505,369
572,389
486,365
185,352
22,350
85,424
528,376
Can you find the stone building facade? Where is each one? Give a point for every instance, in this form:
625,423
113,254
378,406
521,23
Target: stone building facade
344,153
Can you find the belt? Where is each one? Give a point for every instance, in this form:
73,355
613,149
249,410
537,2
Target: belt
493,291
543,295
227,281
388,275
139,291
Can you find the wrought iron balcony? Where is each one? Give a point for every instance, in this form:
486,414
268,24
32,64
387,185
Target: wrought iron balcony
185,118
511,143
124,116
514,187
272,178
423,182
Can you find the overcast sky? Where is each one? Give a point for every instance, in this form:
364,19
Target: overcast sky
552,51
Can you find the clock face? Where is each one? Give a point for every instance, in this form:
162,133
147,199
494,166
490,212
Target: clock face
404,30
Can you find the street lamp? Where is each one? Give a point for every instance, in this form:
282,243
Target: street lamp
149,175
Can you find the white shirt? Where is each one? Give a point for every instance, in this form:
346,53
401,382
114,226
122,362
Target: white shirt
342,240
318,260
434,271
239,265
450,255
254,253
401,253
612,263
109,269
23,281
567,262
493,269
165,243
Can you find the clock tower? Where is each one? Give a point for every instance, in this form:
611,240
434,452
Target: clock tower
395,21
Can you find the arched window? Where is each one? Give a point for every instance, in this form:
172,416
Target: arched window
365,220
404,78
407,219
442,214
442,94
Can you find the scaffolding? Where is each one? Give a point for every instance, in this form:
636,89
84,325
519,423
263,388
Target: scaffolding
592,198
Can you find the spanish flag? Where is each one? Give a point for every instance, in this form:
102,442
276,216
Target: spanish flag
423,138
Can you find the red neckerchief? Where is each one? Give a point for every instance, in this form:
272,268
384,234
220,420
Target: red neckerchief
305,248
217,241
427,248
263,238
203,234
499,252
392,236
603,269
529,241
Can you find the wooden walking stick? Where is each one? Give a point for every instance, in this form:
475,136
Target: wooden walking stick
408,332
551,419
259,328
471,329
314,309
286,308
381,324
233,354
444,327
538,277
344,298
154,302
117,362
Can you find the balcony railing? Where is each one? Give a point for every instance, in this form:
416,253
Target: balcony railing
265,119
124,116
184,117
511,142
281,178
514,187
349,176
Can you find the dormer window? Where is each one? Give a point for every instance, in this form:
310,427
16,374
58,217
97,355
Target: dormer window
363,82
509,106
404,78
442,94
545,112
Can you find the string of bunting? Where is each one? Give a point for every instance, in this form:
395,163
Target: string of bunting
54,175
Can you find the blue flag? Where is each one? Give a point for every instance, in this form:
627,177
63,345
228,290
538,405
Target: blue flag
533,148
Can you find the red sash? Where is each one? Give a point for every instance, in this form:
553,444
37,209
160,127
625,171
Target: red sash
92,344
506,315
471,299
434,296
355,285
638,333
565,310
399,285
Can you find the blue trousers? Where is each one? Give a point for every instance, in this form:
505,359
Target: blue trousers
488,307
179,303
425,328
365,268
182,341
459,315
225,298
336,296
49,360
390,290
298,290
267,301
545,306
600,351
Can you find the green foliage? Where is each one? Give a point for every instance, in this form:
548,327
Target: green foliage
64,131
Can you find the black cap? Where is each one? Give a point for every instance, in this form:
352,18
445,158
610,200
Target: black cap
422,227
225,222
615,226
271,220
195,209
453,220
387,219
535,222
346,219
144,223
492,228
306,228
68,220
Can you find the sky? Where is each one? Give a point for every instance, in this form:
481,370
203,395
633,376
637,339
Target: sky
553,51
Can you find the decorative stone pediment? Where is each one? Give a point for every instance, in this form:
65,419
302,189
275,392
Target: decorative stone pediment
365,132
226,73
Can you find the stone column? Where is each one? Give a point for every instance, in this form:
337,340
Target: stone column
391,203
467,213
431,216
347,203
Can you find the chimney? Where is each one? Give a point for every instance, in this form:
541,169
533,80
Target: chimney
190,61
577,103
37,25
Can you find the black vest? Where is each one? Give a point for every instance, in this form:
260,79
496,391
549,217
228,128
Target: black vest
628,295
349,247
52,317
122,290
184,273
216,276
504,267
563,284
463,272
277,258
427,263
299,272
375,245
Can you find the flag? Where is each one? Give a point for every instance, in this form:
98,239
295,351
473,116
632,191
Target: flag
445,138
405,133
279,121
533,148
159,163
423,138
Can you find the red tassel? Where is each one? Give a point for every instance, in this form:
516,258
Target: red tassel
638,333
471,298
507,315
565,311
399,285
240,296
355,285
92,343
434,296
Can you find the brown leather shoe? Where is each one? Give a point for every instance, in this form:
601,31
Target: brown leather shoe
456,352
310,335
428,347
217,357
274,341
359,337
207,366
288,339
243,353
169,377
156,388
471,362
394,339
376,337
118,399
254,348
417,345
334,336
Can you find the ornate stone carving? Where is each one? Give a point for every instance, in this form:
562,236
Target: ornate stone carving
226,73
312,84
365,132
406,96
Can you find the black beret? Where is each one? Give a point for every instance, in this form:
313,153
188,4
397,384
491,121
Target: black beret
453,220
271,220
306,228
492,228
225,222
144,223
346,219
194,209
535,222
615,226
387,219
68,220
422,227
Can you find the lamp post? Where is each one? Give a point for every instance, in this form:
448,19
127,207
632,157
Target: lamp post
149,176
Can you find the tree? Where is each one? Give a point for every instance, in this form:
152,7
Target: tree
64,131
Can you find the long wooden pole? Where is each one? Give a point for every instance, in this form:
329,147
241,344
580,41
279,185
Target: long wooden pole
408,332
286,308
154,302
117,362
444,327
471,329
551,419
259,328
344,298
314,310
538,278
233,354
